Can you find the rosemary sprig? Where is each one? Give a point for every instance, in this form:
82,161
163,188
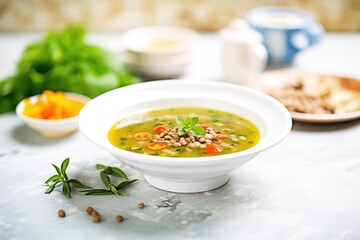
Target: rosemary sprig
62,178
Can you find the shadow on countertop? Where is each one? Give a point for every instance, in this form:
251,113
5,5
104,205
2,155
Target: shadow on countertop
324,127
25,135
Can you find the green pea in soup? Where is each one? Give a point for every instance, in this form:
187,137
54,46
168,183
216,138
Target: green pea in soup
184,132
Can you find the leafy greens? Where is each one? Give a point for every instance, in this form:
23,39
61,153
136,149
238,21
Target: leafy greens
63,61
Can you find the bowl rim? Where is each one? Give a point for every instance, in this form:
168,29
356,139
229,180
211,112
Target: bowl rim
191,36
75,96
153,63
165,160
255,12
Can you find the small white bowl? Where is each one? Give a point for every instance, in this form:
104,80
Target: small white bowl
52,128
192,174
156,71
158,51
157,41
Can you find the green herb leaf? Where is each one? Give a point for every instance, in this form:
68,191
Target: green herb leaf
51,187
100,166
57,169
66,189
97,192
194,121
188,122
181,132
76,183
181,150
180,121
64,166
125,184
190,126
119,193
112,171
108,170
197,131
53,178
119,173
105,178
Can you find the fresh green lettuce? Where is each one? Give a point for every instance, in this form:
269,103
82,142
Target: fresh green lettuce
63,61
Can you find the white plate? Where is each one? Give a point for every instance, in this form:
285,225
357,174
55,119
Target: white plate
324,118
277,78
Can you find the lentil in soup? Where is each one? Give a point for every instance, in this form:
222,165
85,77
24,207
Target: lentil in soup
184,132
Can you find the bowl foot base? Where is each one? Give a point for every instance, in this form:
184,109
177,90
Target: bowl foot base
54,134
188,185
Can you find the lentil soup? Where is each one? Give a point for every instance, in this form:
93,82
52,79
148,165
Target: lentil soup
184,132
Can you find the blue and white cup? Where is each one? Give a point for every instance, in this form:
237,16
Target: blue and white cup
286,31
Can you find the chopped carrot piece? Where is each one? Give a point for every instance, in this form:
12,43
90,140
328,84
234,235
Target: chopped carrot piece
52,105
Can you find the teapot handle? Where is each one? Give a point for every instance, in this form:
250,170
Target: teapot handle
260,57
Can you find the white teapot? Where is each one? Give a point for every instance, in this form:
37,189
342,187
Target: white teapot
243,54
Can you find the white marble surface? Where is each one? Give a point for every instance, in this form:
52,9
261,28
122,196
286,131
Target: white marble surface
307,187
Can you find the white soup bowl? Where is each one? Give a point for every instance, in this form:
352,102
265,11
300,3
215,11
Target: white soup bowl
185,174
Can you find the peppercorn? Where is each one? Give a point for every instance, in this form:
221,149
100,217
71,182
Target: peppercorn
141,205
119,218
61,213
95,213
96,217
89,210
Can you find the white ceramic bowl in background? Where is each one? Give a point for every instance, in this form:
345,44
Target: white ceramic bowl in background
156,71
52,128
193,174
158,51
140,40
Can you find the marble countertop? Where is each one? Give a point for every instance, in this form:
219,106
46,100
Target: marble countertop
306,187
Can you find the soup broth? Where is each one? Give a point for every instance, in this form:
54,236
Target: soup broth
159,133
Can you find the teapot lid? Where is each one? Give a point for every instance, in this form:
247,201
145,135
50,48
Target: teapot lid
239,30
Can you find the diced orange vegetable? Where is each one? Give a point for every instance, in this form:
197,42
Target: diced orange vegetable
52,105
142,136
160,129
156,146
205,126
222,136
214,149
